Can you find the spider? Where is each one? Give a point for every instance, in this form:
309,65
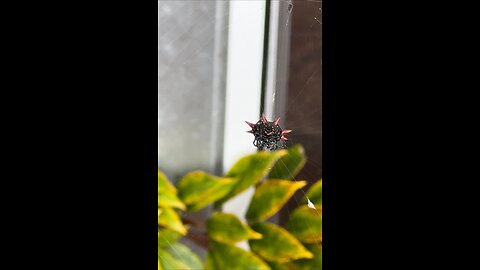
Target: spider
268,135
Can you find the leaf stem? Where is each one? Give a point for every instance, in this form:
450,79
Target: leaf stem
193,222
199,238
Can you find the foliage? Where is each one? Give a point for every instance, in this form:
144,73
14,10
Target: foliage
298,246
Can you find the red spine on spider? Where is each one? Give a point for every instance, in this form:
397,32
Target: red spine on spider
268,135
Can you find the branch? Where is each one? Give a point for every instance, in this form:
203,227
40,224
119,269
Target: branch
199,238
193,222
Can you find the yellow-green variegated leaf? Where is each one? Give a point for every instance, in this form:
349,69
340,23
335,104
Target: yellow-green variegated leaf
314,193
229,257
164,184
314,263
306,224
227,228
167,237
168,199
269,197
168,218
198,189
250,170
309,264
178,256
159,265
289,165
277,244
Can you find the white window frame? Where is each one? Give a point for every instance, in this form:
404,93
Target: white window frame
243,89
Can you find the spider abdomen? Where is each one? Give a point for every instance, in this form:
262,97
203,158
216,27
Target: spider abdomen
268,135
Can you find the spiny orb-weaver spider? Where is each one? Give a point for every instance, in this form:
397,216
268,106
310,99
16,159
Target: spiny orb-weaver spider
268,135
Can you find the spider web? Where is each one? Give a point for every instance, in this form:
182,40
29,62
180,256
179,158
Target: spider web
185,62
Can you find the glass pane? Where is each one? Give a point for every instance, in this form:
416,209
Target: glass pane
191,44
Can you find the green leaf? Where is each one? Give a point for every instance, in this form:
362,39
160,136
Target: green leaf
306,224
290,165
209,263
227,228
302,264
277,244
178,256
168,218
159,265
167,237
229,257
279,266
250,170
309,264
198,189
164,184
167,199
315,193
269,197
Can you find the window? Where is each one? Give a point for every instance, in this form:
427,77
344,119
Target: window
223,62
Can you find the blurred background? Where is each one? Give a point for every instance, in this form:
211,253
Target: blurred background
223,62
